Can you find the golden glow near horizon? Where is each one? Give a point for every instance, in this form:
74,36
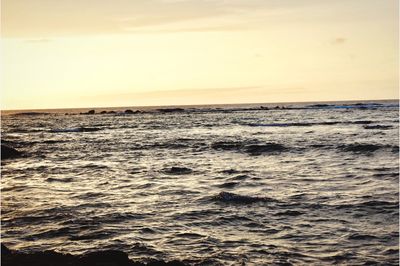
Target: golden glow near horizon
163,52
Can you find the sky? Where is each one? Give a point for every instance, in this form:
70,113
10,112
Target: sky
101,53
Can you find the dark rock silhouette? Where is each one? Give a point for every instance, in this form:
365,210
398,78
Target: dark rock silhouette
5,250
97,258
32,113
132,112
170,110
320,105
8,152
103,112
91,112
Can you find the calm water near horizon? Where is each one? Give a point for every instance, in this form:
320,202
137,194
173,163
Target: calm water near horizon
312,184
197,107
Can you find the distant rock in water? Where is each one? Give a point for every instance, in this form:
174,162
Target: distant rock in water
97,258
178,170
5,250
170,110
8,152
320,105
236,198
32,113
90,112
103,112
129,111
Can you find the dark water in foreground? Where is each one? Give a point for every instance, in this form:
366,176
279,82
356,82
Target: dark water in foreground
314,185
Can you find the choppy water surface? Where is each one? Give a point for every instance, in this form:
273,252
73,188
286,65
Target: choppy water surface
218,186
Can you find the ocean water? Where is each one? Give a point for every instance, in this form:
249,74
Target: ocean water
229,185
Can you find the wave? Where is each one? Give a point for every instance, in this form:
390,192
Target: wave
359,122
376,204
177,170
227,145
77,129
240,177
228,184
236,198
170,145
189,235
352,106
308,124
230,171
63,180
258,149
278,124
289,213
255,149
382,127
98,234
251,149
361,147
357,236
295,124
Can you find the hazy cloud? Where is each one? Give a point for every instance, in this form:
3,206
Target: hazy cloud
49,18
42,40
339,40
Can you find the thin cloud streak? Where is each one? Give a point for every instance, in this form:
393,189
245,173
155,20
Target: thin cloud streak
44,18
38,41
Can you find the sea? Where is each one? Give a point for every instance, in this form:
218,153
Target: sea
249,184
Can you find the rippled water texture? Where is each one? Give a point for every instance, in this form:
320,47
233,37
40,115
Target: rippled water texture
301,186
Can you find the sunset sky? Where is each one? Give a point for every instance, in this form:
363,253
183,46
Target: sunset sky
99,53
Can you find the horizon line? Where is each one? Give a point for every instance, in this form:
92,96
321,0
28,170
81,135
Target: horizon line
188,105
